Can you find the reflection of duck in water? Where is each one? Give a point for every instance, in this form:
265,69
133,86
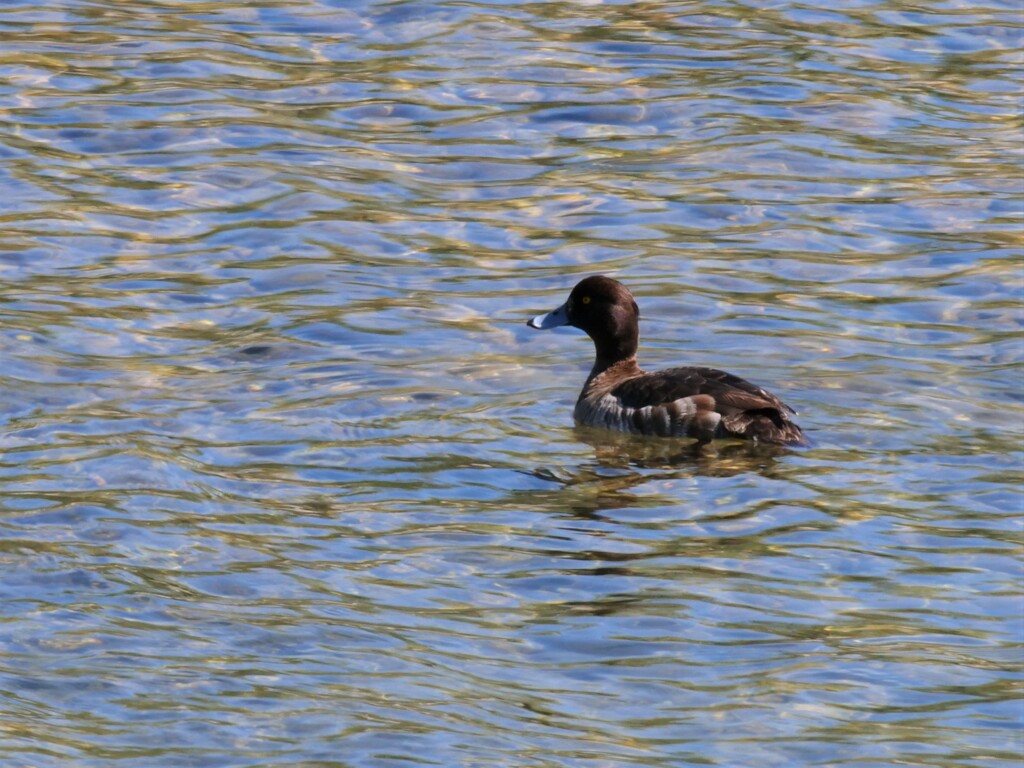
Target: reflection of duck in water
701,403
630,471
622,451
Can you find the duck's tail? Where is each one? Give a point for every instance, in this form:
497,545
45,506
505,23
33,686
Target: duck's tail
766,425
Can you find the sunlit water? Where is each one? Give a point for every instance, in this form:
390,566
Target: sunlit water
286,480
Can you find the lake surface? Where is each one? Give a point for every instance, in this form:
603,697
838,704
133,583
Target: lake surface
285,480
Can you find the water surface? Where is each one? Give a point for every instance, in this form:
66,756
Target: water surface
286,480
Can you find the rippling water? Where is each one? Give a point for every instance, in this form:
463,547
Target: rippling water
286,480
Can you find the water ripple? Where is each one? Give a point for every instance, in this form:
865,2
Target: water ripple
286,479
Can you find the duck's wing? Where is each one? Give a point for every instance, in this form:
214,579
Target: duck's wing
671,384
747,410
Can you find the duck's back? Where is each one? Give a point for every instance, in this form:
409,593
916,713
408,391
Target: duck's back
745,410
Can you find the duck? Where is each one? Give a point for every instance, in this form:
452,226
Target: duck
692,402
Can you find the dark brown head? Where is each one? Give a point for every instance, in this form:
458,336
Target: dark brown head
606,311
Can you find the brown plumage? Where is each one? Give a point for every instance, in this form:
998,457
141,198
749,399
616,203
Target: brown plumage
703,403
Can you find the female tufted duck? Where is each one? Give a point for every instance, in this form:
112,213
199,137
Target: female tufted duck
703,403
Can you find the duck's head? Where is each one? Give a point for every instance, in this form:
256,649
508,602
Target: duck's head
605,310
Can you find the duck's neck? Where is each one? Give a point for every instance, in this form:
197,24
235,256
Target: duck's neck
617,350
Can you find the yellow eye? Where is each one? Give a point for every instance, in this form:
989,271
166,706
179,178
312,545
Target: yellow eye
585,299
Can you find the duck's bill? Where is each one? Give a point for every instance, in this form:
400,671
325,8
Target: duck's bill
552,319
